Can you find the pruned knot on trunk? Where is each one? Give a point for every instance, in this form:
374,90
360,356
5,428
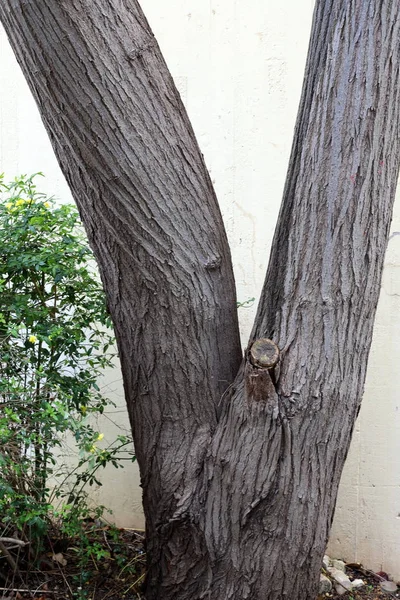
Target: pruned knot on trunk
264,354
262,359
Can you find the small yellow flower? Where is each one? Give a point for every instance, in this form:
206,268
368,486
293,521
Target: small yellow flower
46,204
100,437
9,205
32,339
83,409
20,202
92,449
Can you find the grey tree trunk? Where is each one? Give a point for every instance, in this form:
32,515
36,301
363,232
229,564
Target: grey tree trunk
240,465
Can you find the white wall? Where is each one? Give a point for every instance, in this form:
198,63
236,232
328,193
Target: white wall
239,68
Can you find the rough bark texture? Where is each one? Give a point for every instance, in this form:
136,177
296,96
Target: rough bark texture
239,494
127,149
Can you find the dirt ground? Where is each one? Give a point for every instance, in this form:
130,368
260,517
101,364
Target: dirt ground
370,591
114,569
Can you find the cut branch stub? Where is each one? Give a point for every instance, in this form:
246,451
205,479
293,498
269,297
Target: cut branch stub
264,353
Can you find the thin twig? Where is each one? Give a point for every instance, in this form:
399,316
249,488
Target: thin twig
14,541
10,560
106,541
131,562
26,591
135,583
61,571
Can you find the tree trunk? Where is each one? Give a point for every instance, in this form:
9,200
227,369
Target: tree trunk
239,492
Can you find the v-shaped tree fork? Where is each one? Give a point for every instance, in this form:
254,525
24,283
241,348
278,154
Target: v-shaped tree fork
240,458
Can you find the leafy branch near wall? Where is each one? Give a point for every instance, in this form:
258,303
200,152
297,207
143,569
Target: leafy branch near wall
246,304
55,341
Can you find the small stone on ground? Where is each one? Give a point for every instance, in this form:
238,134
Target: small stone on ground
325,585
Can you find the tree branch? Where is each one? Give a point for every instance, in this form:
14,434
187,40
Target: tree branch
126,147
323,281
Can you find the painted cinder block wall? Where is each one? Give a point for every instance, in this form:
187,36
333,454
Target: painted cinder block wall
239,68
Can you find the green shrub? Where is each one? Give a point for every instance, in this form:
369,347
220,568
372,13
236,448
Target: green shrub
55,340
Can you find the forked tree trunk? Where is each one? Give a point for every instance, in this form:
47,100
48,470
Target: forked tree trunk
239,493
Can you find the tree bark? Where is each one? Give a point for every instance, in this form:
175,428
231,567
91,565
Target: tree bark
126,147
239,492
